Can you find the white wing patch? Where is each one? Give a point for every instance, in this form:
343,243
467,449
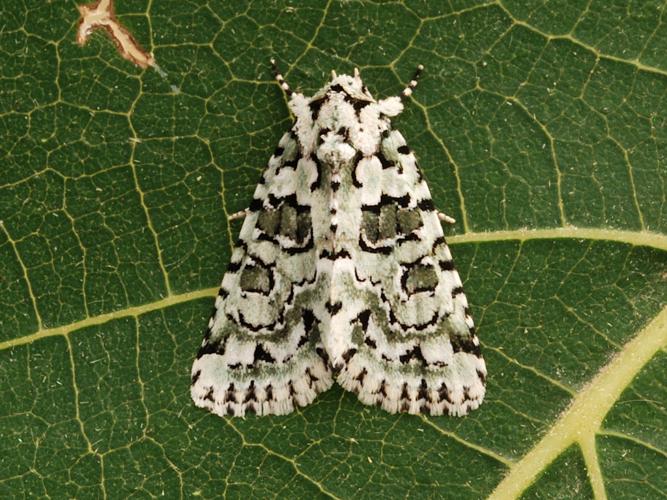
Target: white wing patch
341,271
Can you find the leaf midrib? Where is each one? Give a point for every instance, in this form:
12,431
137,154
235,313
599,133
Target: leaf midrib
583,419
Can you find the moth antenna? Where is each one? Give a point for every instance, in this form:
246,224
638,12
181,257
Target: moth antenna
356,72
333,74
407,91
279,78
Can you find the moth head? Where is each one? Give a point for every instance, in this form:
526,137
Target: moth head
351,86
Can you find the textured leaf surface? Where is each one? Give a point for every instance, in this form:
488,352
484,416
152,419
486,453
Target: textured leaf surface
541,128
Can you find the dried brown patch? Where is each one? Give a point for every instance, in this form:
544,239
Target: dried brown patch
100,14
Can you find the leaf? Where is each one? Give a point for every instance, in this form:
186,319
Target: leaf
541,129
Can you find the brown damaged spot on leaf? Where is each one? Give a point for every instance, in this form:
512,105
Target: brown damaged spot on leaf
101,15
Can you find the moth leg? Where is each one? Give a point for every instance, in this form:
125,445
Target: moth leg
280,79
446,218
238,215
407,91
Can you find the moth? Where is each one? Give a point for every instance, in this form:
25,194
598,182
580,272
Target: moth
341,272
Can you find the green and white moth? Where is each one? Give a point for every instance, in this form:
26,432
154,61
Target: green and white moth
341,272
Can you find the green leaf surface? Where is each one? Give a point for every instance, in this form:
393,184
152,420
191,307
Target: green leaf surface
541,127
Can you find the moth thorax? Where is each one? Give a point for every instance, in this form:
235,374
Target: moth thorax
335,151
